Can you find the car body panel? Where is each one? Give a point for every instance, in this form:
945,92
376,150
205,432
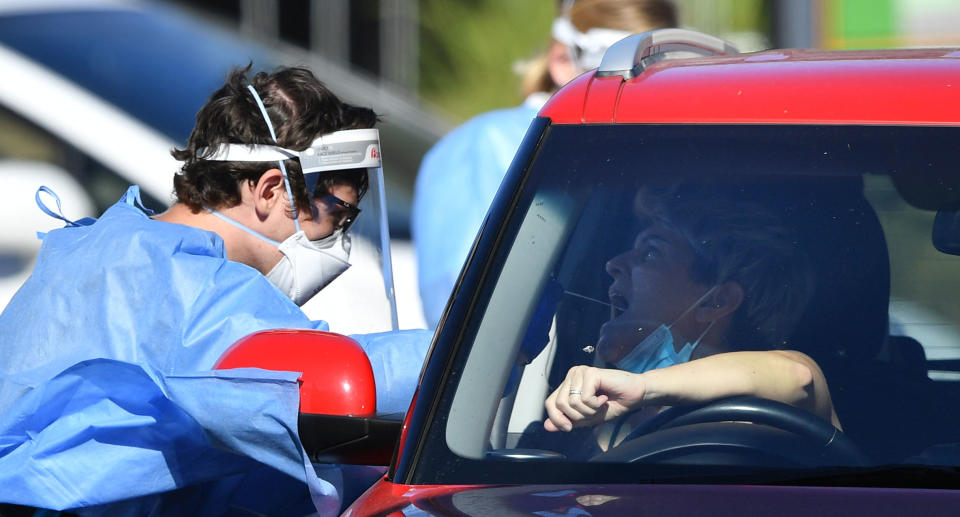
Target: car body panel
387,498
601,103
786,87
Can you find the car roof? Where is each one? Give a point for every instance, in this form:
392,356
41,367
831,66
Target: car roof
877,87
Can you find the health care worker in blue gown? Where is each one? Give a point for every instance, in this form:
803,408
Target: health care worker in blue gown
108,401
460,175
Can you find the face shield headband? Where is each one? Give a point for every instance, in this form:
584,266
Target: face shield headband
586,48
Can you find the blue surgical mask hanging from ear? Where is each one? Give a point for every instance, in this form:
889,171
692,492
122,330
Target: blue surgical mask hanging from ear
657,350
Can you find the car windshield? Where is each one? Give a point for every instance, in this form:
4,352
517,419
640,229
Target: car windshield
842,241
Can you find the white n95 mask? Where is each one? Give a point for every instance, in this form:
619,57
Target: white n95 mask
308,266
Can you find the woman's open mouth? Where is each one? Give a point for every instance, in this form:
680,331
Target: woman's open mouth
618,305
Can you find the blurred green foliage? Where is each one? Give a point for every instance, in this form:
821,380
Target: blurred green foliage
468,48
749,15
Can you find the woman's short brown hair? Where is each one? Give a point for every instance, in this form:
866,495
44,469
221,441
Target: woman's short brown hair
738,233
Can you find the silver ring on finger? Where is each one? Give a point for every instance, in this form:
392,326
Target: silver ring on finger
575,392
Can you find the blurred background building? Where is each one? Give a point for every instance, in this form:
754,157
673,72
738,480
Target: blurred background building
458,56
96,92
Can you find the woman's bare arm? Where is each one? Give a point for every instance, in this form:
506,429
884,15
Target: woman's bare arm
786,376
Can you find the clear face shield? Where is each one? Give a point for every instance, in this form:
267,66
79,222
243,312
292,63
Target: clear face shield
361,298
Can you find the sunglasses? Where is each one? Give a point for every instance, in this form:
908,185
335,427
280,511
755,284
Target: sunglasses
343,213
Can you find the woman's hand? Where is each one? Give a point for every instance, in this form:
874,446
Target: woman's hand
589,396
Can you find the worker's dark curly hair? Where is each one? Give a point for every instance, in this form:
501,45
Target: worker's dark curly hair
300,107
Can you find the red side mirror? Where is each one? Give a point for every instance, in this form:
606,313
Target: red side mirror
336,378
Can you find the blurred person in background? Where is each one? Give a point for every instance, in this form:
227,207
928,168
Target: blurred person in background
108,397
459,176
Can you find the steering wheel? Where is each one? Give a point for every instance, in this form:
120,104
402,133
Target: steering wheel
742,430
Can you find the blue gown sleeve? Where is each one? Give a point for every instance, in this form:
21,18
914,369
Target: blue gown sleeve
457,180
236,302
397,358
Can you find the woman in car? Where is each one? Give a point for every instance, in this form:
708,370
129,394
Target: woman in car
703,305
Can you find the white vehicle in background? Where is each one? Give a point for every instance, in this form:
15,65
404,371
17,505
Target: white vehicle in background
56,134
95,94
22,220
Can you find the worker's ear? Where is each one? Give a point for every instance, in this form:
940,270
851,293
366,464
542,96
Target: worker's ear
723,301
269,192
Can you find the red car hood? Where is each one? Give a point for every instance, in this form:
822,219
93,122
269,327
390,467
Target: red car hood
386,498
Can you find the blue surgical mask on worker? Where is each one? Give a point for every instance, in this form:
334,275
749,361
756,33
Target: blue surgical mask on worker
307,266
658,350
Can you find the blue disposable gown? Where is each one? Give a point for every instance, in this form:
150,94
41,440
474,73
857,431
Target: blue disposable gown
107,397
457,180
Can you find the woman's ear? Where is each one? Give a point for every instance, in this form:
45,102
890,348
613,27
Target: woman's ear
722,302
268,192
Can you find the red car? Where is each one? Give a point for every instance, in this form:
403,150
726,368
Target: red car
827,184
